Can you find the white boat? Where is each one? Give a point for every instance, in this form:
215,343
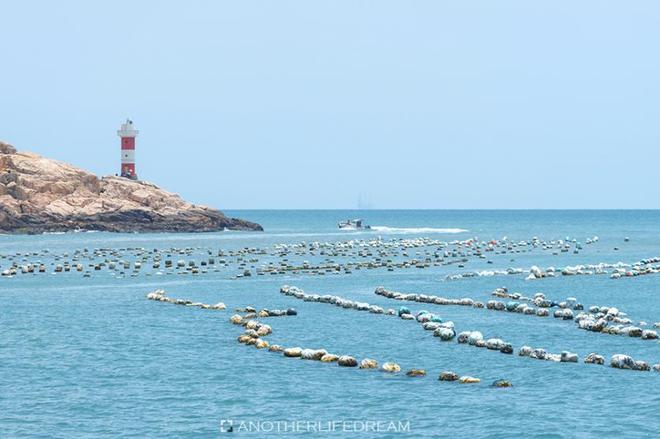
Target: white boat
354,224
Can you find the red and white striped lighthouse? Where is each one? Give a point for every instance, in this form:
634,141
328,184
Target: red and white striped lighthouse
128,135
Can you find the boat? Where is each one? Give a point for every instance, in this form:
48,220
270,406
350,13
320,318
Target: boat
353,224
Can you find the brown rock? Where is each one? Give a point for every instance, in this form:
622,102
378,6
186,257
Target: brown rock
6,148
42,195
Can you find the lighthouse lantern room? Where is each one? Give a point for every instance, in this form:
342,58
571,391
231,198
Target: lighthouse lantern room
128,134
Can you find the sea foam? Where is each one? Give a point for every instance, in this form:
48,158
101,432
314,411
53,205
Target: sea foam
385,229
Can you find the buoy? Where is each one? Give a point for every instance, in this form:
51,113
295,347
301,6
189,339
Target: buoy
368,363
502,383
347,361
390,367
448,376
292,352
468,380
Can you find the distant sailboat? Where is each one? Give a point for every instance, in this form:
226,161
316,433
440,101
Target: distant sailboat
364,204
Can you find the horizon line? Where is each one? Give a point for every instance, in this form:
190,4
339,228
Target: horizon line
453,209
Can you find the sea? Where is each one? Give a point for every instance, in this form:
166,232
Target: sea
86,355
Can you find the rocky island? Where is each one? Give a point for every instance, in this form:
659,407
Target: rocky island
42,195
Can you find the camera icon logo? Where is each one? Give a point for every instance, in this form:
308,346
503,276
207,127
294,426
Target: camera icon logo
226,425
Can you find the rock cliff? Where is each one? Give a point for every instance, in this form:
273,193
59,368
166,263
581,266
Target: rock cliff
42,195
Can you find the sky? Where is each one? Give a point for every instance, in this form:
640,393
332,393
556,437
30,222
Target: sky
320,104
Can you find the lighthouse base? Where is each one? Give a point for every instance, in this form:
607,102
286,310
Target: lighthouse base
128,170
129,176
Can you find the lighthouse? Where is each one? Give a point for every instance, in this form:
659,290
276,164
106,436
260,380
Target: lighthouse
128,134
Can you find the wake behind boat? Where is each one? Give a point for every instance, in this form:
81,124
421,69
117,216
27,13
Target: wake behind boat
354,224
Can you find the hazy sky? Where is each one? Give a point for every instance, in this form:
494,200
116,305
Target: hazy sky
308,104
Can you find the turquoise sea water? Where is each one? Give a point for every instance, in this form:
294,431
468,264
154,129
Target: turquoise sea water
91,357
